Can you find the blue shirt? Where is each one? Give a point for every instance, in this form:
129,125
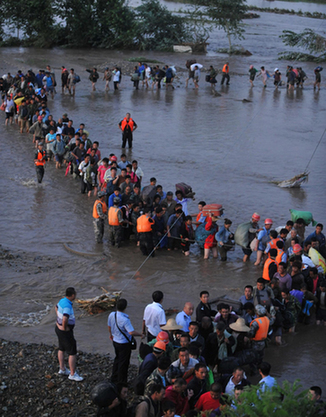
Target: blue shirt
183,320
262,234
222,235
64,307
320,238
124,324
112,196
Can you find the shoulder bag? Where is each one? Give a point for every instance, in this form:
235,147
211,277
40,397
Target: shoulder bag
132,342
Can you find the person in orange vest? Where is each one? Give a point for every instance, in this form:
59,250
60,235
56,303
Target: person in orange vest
40,160
225,76
259,330
272,243
270,265
281,255
100,210
200,218
127,126
115,223
144,230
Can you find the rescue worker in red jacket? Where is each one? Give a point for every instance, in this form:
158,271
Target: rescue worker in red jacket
100,210
127,126
144,230
115,223
40,160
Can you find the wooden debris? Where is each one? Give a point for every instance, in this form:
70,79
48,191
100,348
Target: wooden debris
101,303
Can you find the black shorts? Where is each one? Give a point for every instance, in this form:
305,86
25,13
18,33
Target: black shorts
67,342
247,251
9,115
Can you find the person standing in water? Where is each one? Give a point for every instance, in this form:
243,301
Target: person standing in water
40,161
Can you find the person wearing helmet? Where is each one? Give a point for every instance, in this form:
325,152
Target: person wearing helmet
262,236
100,210
163,337
40,160
148,365
252,233
115,223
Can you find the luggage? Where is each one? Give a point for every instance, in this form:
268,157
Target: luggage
207,78
215,209
190,62
104,393
241,235
185,189
305,215
317,258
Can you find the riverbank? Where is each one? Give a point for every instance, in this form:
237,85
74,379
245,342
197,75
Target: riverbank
30,385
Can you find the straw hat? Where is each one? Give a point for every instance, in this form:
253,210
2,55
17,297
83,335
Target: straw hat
239,326
171,324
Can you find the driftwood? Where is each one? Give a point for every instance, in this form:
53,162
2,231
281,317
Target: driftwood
97,305
294,182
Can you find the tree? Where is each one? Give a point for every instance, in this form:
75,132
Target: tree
227,15
157,28
28,17
307,39
280,402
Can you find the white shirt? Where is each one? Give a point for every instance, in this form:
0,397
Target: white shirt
183,320
154,316
191,364
267,383
116,76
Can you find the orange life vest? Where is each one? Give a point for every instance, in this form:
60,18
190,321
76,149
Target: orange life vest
273,242
262,331
280,253
104,208
113,216
266,268
144,224
225,69
130,123
39,162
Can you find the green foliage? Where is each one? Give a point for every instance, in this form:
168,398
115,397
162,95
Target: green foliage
280,402
157,28
26,17
227,15
307,39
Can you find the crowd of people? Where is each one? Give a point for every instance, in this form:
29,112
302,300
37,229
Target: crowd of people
201,360
187,364
44,82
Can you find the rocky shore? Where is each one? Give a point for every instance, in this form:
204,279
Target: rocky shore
30,385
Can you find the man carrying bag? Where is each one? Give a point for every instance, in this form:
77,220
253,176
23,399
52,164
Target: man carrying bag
121,333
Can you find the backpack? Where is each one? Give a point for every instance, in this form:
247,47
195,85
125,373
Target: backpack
131,411
77,79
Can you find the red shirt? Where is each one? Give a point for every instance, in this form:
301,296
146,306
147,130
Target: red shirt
206,402
181,403
210,241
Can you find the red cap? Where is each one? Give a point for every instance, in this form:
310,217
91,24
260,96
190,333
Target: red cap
256,217
114,158
297,248
268,221
159,346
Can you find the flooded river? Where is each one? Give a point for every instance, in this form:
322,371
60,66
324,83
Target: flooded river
227,149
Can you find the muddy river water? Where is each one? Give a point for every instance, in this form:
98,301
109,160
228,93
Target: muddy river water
227,149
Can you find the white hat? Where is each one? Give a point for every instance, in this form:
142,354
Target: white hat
276,69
